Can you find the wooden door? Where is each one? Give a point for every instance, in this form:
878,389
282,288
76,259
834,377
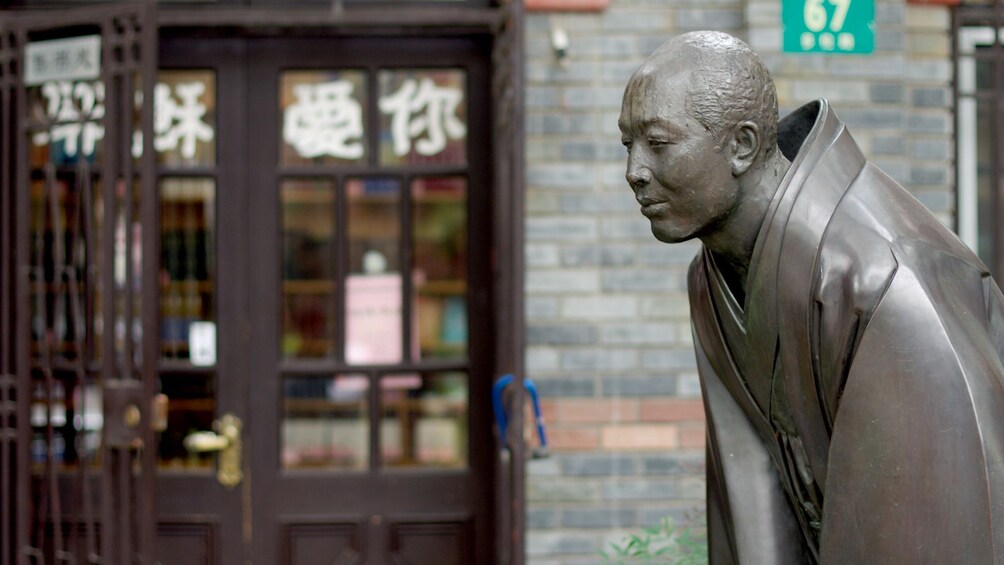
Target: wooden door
203,493
346,269
372,344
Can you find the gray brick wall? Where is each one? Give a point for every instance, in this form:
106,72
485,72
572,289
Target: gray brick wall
608,338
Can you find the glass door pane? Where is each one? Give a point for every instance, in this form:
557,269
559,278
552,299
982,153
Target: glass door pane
185,128
374,325
308,236
439,265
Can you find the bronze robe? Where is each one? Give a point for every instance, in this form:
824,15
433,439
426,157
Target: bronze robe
855,401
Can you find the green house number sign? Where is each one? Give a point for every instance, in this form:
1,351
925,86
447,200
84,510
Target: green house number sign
828,26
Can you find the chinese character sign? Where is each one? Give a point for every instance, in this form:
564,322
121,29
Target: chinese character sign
178,118
828,26
323,117
75,111
324,120
70,59
184,118
423,116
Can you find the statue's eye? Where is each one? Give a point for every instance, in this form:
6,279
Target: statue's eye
626,143
657,142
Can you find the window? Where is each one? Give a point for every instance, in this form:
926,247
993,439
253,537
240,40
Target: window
980,113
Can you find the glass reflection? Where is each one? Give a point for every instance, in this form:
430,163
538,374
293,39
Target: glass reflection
439,265
325,422
308,228
424,420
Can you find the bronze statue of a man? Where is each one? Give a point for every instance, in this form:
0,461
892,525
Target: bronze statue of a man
849,346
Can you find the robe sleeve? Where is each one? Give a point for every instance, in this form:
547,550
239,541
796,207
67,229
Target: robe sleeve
749,520
915,460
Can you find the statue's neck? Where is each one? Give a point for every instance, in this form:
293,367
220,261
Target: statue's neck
734,242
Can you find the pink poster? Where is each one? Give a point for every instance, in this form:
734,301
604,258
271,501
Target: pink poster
373,319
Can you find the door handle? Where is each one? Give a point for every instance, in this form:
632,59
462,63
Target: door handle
225,440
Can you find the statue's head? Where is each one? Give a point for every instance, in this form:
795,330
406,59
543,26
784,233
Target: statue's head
697,118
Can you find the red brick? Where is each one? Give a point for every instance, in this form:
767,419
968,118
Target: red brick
641,437
672,410
692,436
573,439
549,409
607,410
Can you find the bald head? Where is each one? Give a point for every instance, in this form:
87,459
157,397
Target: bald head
727,83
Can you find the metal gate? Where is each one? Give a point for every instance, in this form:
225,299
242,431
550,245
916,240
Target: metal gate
78,225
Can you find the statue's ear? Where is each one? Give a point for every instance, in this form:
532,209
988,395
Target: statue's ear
745,146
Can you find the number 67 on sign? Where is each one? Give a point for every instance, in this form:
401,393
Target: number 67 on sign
828,26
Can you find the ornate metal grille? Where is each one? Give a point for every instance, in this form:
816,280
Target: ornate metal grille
80,329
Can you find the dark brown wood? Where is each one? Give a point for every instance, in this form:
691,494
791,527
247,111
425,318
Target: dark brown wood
8,382
190,542
507,256
425,20
370,497
193,502
321,542
22,367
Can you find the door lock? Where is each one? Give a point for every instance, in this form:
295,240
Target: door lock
226,440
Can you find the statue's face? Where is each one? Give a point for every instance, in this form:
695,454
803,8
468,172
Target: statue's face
682,180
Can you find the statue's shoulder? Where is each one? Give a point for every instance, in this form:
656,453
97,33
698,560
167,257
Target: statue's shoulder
879,229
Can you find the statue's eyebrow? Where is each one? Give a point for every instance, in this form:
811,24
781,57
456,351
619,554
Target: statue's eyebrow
647,125
660,122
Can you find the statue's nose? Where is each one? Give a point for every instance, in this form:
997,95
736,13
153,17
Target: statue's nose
638,177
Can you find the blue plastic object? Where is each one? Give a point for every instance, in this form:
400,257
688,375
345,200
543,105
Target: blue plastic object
502,419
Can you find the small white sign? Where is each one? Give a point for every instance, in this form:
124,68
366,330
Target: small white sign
202,343
75,58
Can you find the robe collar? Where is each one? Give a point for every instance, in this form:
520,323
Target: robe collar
751,329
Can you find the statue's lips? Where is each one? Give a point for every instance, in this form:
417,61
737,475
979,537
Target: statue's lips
654,209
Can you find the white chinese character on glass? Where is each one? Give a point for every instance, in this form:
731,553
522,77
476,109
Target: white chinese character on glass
66,105
324,120
179,121
422,107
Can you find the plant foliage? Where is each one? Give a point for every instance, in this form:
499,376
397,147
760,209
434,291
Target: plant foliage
664,544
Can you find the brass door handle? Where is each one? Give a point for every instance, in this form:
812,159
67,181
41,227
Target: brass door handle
226,440
204,442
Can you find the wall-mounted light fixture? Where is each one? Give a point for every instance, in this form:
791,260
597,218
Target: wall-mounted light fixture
559,42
